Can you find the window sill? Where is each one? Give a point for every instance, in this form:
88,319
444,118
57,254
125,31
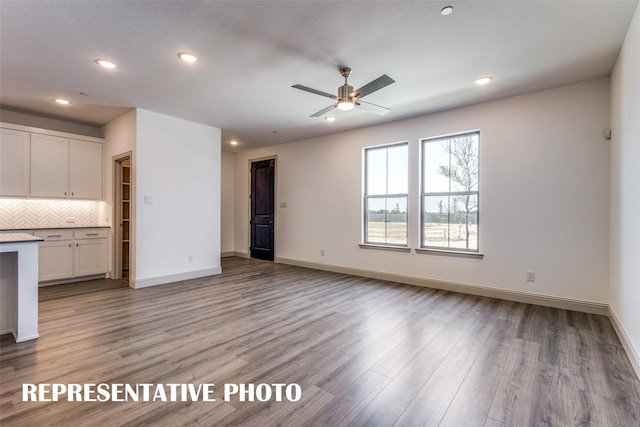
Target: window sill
447,252
384,247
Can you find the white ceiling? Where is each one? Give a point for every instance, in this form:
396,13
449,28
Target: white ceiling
251,52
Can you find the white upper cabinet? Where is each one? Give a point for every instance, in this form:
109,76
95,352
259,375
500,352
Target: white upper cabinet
85,170
14,162
44,163
49,166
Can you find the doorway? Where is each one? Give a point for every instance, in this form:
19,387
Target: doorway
123,193
262,209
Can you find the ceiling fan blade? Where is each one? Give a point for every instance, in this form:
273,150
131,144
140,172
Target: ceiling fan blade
324,110
317,92
372,86
372,108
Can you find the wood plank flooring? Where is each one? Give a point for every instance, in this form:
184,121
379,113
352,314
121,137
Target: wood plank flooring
365,353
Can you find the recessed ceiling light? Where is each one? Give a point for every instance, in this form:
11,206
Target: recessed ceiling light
188,57
483,80
62,101
330,119
106,63
447,10
234,142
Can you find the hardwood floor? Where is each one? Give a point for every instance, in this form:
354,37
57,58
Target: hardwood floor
365,353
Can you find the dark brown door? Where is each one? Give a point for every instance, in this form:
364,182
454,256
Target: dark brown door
262,209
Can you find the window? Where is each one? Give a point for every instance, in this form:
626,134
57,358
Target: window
386,183
450,192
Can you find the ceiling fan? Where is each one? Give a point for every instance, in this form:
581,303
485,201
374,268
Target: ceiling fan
348,98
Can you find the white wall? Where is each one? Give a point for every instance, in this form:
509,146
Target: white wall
544,195
228,168
120,137
24,119
177,164
625,191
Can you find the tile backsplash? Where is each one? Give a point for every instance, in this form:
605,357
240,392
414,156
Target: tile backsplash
35,213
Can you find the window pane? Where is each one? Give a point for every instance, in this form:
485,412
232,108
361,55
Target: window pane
376,217
435,231
463,231
376,168
396,222
435,163
450,167
398,167
463,170
386,220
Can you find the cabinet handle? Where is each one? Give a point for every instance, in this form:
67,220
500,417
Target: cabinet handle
92,234
55,235
69,244
65,193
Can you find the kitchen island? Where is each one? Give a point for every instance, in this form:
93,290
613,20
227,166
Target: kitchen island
19,285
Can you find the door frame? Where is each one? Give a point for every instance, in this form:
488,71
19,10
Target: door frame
117,216
275,206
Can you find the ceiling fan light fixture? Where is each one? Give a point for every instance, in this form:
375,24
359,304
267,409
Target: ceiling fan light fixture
345,105
348,98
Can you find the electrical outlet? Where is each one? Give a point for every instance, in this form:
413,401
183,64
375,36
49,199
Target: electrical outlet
531,276
321,252
190,258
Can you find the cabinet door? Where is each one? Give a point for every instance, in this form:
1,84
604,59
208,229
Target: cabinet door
14,162
85,169
49,166
90,257
55,260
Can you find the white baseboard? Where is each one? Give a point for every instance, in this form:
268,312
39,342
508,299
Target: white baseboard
27,338
15,335
72,280
631,350
524,297
177,277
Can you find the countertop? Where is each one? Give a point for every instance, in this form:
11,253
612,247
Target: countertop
72,227
19,238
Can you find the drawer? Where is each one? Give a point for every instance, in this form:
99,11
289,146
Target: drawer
52,235
91,233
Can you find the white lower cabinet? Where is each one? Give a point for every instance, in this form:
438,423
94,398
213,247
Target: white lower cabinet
55,260
90,257
69,254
